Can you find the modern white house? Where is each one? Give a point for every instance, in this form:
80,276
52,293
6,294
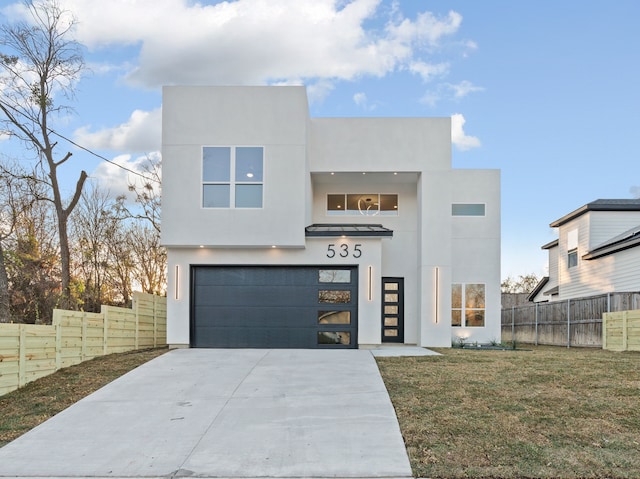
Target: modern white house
286,231
597,252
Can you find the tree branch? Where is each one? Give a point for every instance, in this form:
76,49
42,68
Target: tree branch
77,194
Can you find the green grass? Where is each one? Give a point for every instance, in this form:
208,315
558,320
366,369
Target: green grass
545,413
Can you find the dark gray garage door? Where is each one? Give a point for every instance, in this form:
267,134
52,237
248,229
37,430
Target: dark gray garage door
274,307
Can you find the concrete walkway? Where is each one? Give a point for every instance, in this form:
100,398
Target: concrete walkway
225,413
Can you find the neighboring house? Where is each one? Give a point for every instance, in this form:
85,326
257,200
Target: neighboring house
597,252
289,231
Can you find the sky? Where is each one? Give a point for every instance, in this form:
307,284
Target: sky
547,91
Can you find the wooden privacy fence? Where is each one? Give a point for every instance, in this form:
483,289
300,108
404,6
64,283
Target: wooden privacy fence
621,331
29,352
574,322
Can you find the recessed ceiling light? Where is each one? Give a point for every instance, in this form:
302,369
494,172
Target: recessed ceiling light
249,175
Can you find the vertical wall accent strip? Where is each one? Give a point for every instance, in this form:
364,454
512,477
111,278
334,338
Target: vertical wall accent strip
370,290
177,282
437,293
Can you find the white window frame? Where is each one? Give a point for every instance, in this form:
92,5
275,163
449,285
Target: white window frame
463,308
233,181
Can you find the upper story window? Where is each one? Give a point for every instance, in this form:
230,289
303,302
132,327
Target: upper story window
366,204
232,177
572,248
468,209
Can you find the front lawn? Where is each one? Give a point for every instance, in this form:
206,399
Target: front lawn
546,413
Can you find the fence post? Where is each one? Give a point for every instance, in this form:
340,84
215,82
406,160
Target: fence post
56,324
155,321
83,349
136,309
513,323
568,323
608,302
624,331
22,356
105,331
536,342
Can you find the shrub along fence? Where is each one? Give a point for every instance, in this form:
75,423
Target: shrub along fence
574,322
29,351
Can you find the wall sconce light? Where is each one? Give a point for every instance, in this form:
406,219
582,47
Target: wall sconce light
370,290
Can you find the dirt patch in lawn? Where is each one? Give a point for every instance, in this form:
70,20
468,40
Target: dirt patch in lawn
550,412
25,408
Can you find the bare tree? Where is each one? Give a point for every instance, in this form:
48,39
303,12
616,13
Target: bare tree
147,195
523,284
16,198
150,258
92,225
33,264
40,64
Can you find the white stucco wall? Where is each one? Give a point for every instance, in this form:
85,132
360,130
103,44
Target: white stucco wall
315,253
429,248
274,118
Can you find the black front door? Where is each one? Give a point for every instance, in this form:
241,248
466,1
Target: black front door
393,310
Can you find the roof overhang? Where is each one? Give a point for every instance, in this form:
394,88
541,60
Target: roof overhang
599,205
607,249
331,230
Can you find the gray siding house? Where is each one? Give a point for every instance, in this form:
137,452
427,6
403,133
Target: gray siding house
597,252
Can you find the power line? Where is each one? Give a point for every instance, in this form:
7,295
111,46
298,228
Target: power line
102,157
51,130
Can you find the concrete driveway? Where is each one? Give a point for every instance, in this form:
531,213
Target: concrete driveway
224,413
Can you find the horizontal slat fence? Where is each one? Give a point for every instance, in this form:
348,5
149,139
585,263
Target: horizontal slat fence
572,323
29,352
621,331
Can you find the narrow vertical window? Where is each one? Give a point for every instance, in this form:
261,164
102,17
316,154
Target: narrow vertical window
216,176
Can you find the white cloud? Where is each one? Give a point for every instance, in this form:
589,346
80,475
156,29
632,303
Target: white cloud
458,137
444,91
428,71
463,88
360,99
141,133
260,41
116,180
635,191
319,90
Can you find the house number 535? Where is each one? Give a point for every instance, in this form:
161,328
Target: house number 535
343,250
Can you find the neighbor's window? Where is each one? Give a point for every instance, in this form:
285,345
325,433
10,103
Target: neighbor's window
468,209
366,204
467,304
572,248
232,177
